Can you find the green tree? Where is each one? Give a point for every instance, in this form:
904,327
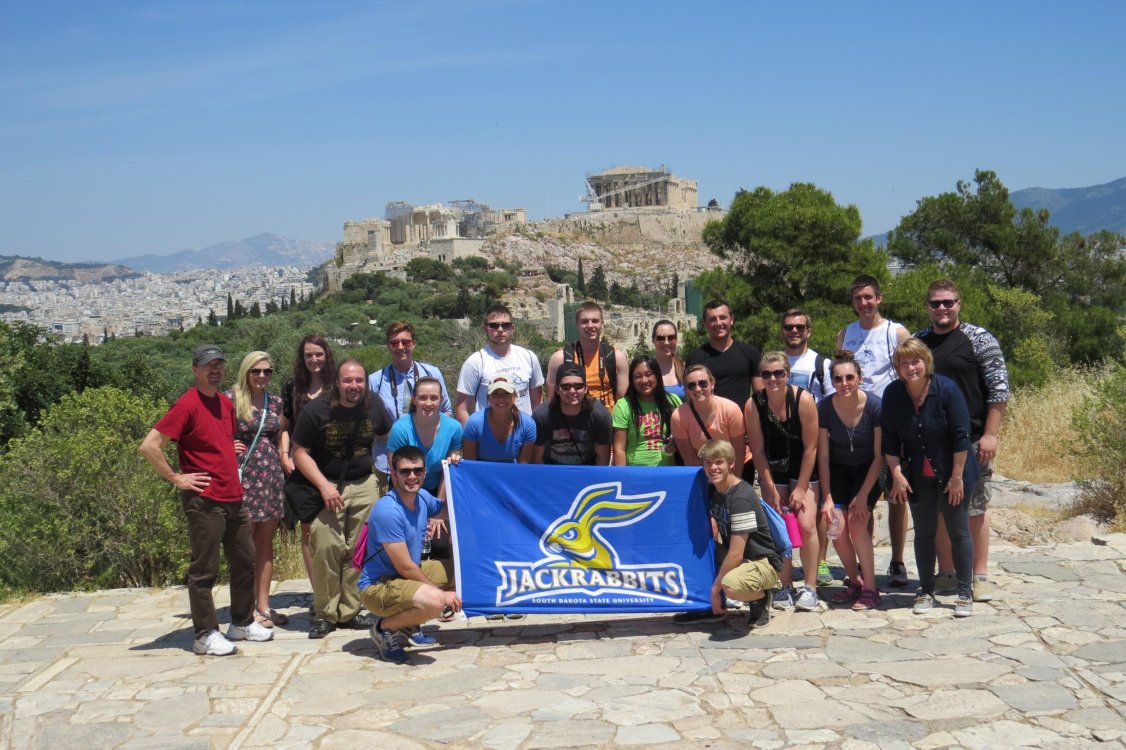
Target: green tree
80,508
230,307
596,288
581,283
212,319
256,310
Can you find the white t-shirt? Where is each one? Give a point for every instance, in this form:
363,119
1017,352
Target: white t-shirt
801,374
873,350
520,366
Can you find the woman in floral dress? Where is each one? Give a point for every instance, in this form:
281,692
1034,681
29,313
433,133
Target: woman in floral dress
258,438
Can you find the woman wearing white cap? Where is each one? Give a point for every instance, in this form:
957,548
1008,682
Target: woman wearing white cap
500,432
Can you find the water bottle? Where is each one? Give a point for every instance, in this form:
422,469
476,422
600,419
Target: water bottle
837,521
426,547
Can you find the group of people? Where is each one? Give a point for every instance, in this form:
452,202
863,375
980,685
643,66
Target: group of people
912,418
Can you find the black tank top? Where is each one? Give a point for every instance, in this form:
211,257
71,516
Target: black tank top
782,439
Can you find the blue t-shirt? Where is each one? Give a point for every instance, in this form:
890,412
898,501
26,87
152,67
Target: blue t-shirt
391,521
448,438
395,389
488,449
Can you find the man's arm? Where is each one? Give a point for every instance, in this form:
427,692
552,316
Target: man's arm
461,408
152,448
553,363
309,469
622,366
987,446
400,557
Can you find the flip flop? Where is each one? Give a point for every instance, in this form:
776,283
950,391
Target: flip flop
263,619
278,617
448,615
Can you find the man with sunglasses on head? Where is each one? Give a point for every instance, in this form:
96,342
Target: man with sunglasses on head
810,370
394,384
499,357
572,428
970,356
396,584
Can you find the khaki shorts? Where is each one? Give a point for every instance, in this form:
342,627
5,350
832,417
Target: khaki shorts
983,490
755,575
394,595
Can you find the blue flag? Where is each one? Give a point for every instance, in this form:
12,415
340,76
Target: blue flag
580,539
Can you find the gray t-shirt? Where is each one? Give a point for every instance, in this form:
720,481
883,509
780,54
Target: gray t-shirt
572,440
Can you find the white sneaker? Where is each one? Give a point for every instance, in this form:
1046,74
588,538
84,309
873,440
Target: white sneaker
212,643
251,632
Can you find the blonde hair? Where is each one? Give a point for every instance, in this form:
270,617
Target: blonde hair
715,450
244,401
912,349
776,357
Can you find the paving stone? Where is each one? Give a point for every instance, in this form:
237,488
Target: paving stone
851,650
815,715
1037,696
1106,651
887,734
766,642
1030,657
1004,734
507,735
1041,674
645,734
570,734
444,726
350,739
650,707
956,704
936,672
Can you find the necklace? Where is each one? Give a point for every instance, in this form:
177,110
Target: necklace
922,397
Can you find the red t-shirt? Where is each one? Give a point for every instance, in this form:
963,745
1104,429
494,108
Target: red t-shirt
204,428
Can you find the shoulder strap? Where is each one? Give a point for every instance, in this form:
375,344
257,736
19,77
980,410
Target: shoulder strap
610,362
699,421
569,352
819,371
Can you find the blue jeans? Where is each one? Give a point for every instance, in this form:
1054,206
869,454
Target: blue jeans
926,502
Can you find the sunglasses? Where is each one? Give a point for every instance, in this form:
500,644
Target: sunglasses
411,471
572,386
500,326
665,339
261,371
401,343
700,384
768,374
794,326
844,378
937,303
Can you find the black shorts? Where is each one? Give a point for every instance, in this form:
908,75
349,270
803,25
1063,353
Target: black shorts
845,481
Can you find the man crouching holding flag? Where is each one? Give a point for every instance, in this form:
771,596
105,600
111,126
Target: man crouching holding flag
396,584
749,559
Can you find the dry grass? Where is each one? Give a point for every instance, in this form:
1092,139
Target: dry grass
1037,433
287,555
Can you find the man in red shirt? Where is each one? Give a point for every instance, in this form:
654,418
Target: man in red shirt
202,423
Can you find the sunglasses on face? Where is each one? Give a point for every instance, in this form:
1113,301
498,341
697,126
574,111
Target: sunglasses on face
500,326
411,471
261,371
937,303
665,339
794,326
572,386
769,374
700,384
844,378
401,343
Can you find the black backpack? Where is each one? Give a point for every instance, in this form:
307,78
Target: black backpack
606,362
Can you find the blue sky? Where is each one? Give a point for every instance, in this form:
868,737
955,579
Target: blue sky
128,128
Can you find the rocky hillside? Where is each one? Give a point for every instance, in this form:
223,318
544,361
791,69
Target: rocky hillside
17,268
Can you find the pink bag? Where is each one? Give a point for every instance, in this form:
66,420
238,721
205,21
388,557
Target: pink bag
792,528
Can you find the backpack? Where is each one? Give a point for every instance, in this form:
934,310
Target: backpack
819,372
778,530
606,363
359,554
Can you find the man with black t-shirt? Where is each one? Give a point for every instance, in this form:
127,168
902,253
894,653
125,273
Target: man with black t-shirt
733,363
202,422
572,428
332,448
972,358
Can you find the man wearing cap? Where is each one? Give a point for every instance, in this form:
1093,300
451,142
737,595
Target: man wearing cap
202,423
572,428
499,357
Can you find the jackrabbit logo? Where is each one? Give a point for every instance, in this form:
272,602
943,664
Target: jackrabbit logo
580,559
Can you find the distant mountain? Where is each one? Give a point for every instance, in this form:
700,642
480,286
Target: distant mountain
259,250
1084,209
19,268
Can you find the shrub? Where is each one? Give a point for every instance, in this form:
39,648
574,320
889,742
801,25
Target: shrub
79,506
1101,442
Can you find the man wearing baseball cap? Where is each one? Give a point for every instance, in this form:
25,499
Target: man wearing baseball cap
202,423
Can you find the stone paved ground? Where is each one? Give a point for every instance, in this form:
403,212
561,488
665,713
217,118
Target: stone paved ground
1044,666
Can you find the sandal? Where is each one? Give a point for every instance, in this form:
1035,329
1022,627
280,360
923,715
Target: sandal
869,599
515,617
494,617
278,617
263,619
849,593
448,615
